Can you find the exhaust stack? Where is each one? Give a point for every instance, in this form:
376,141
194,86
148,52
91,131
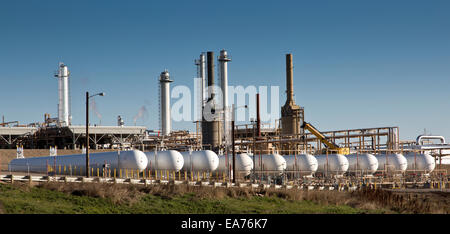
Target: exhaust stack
164,80
64,118
210,129
291,114
223,60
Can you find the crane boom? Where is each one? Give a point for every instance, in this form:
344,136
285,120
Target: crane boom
331,145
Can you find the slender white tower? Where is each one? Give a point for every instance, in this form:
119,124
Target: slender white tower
203,76
201,98
223,60
165,81
63,95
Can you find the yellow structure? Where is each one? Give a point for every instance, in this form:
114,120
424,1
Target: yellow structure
334,148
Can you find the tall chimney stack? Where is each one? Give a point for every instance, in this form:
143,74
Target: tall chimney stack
211,129
210,70
291,114
289,79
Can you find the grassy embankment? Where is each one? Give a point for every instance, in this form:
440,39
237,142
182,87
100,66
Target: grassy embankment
57,198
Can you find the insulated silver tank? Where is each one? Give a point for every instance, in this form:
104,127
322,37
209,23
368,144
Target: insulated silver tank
337,164
244,164
365,163
171,160
421,162
203,160
392,162
303,163
131,160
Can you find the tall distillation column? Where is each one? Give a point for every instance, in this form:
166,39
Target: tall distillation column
201,98
210,127
165,81
64,118
223,60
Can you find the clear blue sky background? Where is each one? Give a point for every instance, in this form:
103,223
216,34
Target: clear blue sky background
357,63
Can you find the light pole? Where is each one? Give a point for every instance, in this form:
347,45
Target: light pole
87,129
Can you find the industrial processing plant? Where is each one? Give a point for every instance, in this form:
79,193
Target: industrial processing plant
232,147
293,152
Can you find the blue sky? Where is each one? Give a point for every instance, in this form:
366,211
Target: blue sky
357,64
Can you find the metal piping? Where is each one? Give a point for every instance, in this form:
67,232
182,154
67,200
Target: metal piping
420,137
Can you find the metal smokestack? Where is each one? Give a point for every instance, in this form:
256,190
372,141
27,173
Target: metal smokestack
210,68
203,76
291,114
201,98
165,81
223,60
210,129
63,95
289,79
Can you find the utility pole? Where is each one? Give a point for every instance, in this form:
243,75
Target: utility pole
234,151
87,129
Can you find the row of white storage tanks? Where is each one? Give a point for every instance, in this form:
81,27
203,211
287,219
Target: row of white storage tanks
207,160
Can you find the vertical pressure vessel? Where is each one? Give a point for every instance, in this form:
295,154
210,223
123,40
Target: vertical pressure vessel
171,160
131,160
365,163
244,163
304,163
204,160
337,164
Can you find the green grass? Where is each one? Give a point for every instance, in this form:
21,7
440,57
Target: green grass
35,200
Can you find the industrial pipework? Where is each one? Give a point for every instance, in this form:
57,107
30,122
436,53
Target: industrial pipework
64,118
419,140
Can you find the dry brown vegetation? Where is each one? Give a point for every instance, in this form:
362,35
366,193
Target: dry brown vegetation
387,201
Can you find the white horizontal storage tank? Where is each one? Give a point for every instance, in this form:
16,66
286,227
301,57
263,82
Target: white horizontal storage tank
244,163
392,162
270,162
337,164
171,160
305,164
203,160
365,163
421,162
131,160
